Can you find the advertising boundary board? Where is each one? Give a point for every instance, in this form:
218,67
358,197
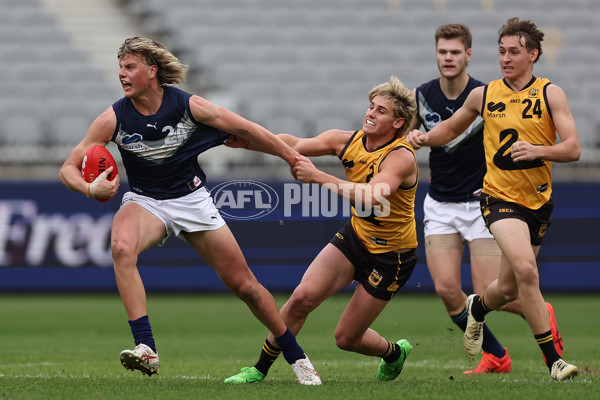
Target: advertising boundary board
54,240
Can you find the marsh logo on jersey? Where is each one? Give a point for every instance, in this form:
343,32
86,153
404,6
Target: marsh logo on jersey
496,110
493,107
375,278
132,142
431,120
244,199
348,164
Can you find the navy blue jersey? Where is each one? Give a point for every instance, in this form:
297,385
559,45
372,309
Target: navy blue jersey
457,168
160,151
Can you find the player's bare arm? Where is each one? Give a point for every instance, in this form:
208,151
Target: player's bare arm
398,169
449,129
330,142
99,133
568,149
213,115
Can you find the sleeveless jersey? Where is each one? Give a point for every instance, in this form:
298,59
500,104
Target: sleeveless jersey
160,151
393,227
457,168
512,116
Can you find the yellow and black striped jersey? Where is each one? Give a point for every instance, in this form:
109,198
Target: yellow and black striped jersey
512,116
389,225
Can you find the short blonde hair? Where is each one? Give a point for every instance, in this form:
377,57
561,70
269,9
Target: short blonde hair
401,100
170,70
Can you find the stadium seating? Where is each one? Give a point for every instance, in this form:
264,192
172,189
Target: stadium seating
255,48
45,79
297,65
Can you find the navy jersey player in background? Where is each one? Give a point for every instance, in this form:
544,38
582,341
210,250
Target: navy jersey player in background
451,208
160,130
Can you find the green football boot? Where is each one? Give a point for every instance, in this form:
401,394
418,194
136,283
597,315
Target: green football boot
390,371
247,375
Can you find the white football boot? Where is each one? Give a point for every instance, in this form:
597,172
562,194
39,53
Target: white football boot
562,371
305,372
142,358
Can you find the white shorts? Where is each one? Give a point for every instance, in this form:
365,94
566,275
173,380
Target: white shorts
191,213
444,218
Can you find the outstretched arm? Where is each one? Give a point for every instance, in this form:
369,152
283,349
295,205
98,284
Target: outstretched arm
228,121
449,129
330,142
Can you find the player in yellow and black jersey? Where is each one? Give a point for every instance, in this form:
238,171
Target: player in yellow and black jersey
522,114
377,247
530,121
395,227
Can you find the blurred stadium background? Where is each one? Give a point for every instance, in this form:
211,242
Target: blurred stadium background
297,66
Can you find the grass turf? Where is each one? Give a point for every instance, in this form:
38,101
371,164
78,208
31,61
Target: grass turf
66,347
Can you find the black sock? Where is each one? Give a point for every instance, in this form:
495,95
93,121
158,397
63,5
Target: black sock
393,353
479,309
291,350
142,332
546,343
268,355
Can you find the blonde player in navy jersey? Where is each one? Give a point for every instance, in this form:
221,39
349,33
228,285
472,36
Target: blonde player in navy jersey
451,208
160,130
377,247
522,115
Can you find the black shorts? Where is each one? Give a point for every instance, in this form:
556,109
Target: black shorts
538,221
381,274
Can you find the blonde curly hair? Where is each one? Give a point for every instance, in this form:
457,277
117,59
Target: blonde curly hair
170,70
401,100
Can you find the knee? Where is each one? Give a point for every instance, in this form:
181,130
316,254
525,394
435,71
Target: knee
344,341
301,301
527,274
451,296
508,291
121,251
247,290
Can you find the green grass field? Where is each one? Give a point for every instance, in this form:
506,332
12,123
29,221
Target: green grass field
67,347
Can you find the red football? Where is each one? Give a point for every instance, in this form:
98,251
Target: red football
96,160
